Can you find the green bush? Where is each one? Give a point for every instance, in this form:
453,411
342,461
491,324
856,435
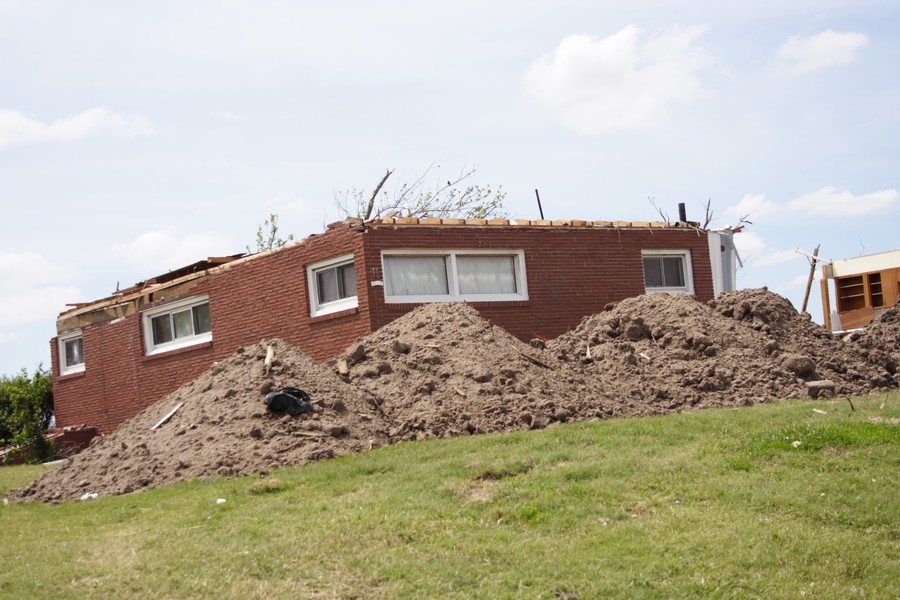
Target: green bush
26,411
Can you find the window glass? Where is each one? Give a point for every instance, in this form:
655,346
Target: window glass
348,279
74,351
184,323
486,274
326,281
336,283
673,274
162,329
653,276
416,275
666,272
202,322
178,325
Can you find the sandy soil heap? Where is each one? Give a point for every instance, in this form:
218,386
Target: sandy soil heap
664,352
443,370
223,428
879,343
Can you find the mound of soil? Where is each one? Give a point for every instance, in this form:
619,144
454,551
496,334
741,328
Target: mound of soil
443,370
797,336
879,343
223,428
666,352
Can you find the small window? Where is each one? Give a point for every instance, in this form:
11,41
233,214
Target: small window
71,353
667,271
332,285
177,325
454,275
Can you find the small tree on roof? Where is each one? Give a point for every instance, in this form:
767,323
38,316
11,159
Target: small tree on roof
452,198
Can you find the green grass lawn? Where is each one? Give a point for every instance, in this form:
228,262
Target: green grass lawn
774,501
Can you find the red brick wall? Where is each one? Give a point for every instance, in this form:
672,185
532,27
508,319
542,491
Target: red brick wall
571,273
249,301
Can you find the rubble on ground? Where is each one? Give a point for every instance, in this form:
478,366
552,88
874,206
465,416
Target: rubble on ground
223,428
442,370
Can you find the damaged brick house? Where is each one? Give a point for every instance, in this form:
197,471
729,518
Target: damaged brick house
117,355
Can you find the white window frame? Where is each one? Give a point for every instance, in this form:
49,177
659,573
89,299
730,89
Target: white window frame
325,308
454,294
185,342
65,369
685,256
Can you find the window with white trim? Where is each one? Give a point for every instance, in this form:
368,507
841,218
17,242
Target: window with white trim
454,276
71,352
332,285
177,325
667,271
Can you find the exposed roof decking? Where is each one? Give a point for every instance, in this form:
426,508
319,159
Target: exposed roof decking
432,221
125,302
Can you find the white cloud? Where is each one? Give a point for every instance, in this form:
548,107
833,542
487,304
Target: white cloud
617,83
749,244
777,257
754,205
157,252
17,128
33,290
801,55
753,249
831,202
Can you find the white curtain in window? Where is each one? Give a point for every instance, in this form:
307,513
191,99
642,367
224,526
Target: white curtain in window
486,274
184,324
416,275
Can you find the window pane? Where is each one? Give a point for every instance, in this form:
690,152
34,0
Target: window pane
672,271
162,329
653,276
184,324
74,352
486,274
416,275
326,281
201,319
348,281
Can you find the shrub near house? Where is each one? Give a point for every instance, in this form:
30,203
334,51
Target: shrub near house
26,410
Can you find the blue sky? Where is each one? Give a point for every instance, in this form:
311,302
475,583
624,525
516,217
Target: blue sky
139,137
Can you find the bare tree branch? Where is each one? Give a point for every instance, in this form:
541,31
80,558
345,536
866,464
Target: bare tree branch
377,189
446,199
663,215
709,214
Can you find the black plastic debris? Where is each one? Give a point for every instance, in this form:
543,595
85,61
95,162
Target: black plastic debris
291,400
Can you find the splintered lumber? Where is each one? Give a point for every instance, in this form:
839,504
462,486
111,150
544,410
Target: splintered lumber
167,417
532,359
270,356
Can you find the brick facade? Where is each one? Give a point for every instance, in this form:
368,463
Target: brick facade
571,272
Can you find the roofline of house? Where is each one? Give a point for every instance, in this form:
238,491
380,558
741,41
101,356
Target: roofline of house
218,264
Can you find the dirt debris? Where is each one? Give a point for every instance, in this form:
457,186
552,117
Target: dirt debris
442,370
879,343
223,428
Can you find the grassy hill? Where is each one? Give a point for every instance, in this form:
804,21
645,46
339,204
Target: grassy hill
782,500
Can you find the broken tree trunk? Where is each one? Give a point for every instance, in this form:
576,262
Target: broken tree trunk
813,261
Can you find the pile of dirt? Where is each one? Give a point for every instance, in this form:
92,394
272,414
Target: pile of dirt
879,343
223,428
443,370
668,352
797,336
